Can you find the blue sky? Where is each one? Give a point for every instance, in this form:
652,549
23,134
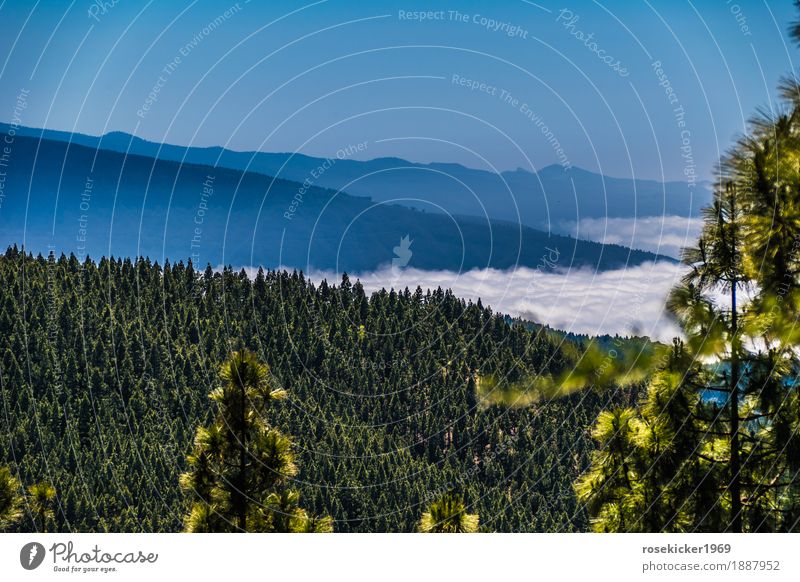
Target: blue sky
320,76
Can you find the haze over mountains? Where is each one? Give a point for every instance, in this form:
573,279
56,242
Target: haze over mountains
551,199
104,202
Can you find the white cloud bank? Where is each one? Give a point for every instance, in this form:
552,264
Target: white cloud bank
660,234
625,301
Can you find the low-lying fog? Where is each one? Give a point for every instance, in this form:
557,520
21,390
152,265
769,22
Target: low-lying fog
627,301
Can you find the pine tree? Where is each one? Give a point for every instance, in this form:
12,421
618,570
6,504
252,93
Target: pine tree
241,467
716,266
117,432
650,472
42,497
721,414
448,515
10,499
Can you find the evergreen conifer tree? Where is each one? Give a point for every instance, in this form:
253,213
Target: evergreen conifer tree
10,499
448,515
240,469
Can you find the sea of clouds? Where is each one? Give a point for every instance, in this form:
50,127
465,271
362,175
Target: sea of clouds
627,301
665,235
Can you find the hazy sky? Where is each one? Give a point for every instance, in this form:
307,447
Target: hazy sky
503,84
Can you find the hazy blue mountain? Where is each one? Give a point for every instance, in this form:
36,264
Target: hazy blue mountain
545,200
101,202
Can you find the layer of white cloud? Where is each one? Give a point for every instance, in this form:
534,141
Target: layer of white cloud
625,302
660,234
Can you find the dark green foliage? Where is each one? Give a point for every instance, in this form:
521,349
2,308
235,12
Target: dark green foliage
448,515
10,499
714,446
106,368
652,471
240,466
41,497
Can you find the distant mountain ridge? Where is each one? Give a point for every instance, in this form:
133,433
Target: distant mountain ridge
547,200
74,198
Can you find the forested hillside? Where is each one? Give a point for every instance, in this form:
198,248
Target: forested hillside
106,368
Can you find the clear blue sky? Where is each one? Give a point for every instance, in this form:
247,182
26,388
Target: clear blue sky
317,77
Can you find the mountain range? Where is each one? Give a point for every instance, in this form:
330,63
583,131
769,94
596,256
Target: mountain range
547,199
84,194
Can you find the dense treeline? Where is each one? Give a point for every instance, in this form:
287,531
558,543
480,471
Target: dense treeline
106,369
